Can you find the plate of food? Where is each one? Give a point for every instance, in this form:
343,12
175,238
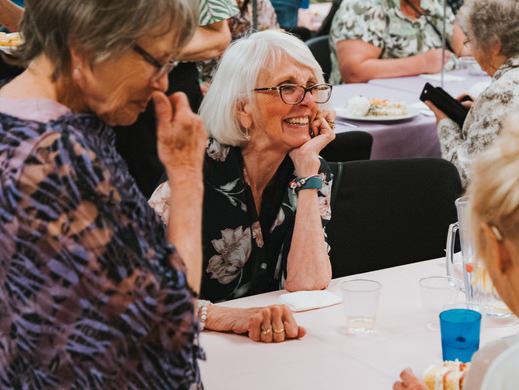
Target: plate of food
9,40
360,108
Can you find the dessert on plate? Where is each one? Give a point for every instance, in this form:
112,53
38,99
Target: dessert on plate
450,375
10,39
361,106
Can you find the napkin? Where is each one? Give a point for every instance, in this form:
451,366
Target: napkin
308,300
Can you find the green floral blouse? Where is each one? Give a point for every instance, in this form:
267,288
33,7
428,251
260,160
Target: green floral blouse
382,23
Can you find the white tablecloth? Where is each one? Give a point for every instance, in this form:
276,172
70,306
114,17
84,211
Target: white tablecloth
329,359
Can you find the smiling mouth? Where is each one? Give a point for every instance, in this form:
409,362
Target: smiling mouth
298,121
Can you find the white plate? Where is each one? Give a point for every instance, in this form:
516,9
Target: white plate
411,113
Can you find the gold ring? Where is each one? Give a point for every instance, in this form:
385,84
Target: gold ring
266,331
282,330
332,124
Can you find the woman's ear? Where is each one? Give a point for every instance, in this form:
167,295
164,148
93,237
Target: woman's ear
244,114
497,249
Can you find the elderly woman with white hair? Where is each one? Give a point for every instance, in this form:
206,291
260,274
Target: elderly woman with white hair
267,191
494,211
492,31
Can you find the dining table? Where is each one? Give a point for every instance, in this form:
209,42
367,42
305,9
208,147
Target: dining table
414,137
327,357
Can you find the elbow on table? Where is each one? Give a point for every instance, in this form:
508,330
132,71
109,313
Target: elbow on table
308,285
351,76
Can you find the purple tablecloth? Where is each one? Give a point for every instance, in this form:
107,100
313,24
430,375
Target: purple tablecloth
404,139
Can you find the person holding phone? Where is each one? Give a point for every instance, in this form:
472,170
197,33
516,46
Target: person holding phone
493,36
267,191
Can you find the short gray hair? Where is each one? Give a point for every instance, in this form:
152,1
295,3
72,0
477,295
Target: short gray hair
490,21
237,75
101,29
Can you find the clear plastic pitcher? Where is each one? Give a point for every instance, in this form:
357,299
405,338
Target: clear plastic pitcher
479,290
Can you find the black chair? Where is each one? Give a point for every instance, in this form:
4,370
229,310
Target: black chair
390,212
349,146
321,50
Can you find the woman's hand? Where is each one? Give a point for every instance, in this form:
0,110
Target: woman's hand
439,114
306,157
268,324
180,133
466,101
433,60
409,381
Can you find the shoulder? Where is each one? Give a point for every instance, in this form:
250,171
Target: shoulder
212,11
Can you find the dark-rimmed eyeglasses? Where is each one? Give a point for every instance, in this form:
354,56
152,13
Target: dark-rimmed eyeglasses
162,69
295,94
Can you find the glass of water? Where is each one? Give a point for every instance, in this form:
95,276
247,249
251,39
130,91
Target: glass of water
360,303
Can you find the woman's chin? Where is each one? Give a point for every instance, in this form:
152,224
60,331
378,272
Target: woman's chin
121,118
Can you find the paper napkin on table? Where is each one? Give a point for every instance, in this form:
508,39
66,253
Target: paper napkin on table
438,77
308,300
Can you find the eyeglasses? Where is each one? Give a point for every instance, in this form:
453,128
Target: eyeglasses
162,69
295,94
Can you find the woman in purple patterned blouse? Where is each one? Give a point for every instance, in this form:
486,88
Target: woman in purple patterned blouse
92,293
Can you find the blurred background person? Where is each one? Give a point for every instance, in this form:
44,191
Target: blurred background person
495,224
137,143
10,14
373,39
493,36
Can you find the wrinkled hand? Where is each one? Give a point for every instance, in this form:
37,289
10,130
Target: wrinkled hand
268,324
181,137
439,114
409,381
433,60
467,103
306,157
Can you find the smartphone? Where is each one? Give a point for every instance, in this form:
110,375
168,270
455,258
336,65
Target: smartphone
445,102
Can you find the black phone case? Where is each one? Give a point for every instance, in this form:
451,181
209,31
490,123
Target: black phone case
445,102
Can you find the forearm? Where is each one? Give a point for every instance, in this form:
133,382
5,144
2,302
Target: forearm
207,43
383,68
10,15
185,221
308,265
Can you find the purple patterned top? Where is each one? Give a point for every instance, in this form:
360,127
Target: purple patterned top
92,295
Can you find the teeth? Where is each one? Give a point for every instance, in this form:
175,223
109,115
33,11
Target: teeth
297,121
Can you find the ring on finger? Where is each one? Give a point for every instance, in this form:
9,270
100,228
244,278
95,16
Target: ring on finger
282,330
332,124
266,331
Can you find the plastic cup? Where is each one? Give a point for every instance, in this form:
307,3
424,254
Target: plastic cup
436,293
460,330
360,303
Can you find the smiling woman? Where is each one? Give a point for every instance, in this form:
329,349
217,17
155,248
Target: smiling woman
92,292
267,192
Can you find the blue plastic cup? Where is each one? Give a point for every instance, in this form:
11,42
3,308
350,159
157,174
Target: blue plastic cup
460,329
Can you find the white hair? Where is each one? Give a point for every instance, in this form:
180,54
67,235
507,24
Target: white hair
238,73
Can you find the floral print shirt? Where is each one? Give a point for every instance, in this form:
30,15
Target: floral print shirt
245,253
484,121
382,24
92,295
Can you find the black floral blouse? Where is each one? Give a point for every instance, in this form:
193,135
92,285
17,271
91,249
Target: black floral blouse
92,295
245,253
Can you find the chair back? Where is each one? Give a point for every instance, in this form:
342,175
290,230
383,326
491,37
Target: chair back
320,48
349,146
390,212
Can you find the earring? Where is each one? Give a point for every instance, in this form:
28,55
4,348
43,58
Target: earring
246,133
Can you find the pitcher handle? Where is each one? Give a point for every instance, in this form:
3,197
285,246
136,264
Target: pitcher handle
451,241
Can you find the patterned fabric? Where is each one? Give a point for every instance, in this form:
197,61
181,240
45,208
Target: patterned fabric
244,253
484,121
92,296
212,11
382,24
455,5
241,24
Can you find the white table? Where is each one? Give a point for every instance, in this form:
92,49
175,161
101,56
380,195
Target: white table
402,139
329,359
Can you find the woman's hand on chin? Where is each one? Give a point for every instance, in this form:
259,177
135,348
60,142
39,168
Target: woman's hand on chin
306,157
181,136
270,324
